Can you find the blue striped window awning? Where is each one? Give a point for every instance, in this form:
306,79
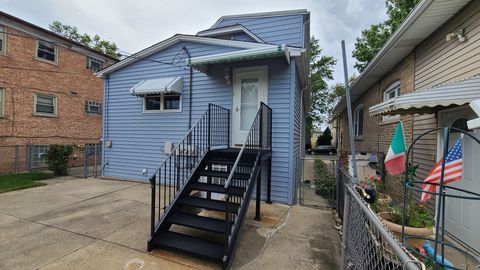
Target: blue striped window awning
157,86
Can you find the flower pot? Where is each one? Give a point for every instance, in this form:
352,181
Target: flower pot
396,229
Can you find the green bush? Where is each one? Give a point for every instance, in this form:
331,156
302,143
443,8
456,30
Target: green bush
57,158
324,180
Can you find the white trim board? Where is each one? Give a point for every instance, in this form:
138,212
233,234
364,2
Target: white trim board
238,28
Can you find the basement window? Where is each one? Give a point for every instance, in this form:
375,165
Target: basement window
46,51
94,63
45,105
92,107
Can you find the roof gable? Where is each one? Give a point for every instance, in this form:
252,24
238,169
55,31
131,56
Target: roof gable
236,28
259,15
174,40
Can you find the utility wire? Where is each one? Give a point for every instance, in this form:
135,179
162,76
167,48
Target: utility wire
173,63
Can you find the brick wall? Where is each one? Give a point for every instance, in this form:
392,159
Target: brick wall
378,134
22,76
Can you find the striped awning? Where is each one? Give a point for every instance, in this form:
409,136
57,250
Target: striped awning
157,86
241,55
430,100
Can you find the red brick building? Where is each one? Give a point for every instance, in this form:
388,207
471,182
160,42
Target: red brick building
48,90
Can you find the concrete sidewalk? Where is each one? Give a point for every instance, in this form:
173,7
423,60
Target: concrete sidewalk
104,224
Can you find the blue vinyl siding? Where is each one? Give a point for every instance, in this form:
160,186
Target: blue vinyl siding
243,37
138,138
297,132
274,30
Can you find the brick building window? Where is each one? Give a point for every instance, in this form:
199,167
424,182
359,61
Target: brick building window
45,105
358,121
391,92
92,107
3,39
46,51
2,102
94,63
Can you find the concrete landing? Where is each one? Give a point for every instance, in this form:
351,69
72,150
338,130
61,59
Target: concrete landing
104,224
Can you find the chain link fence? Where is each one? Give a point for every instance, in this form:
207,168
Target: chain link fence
366,243
317,188
85,161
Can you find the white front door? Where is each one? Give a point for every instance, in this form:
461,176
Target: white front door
462,216
250,87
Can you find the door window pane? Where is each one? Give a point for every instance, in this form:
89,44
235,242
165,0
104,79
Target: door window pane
248,102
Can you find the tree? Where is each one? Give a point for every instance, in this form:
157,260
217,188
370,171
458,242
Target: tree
95,42
325,138
321,70
373,39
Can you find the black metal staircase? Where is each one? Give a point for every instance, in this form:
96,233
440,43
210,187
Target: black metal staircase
201,191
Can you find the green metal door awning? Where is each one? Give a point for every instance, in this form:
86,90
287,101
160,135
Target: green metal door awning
241,55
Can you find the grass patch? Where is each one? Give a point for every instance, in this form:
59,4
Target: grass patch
16,181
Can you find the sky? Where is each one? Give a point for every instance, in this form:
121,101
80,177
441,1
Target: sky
134,25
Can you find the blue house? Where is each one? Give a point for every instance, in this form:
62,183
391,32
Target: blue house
217,112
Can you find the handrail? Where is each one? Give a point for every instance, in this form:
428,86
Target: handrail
237,161
211,129
259,138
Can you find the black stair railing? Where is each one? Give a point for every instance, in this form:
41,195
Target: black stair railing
210,131
258,141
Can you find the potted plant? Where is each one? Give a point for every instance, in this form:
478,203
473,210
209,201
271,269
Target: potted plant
419,222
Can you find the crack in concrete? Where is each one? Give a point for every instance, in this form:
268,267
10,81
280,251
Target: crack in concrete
269,236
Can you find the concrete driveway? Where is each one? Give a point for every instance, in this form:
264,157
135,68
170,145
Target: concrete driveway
104,224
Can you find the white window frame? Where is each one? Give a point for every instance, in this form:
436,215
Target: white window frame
392,88
2,102
162,110
43,59
43,113
3,37
89,61
356,121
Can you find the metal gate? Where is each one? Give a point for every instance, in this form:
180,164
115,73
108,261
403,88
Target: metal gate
316,187
86,161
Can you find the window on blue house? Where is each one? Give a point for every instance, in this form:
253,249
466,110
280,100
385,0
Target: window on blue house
162,103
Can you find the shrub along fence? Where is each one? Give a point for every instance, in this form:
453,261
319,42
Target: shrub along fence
366,243
85,161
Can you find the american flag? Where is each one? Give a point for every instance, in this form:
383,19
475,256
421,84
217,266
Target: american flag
453,170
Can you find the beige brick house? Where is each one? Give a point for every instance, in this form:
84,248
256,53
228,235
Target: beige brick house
426,75
48,90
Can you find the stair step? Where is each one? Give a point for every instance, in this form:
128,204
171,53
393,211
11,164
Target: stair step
198,222
207,204
219,174
228,162
201,247
214,188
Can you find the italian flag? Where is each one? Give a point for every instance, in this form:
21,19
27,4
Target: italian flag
395,159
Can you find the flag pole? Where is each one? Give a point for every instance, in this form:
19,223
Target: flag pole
349,115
